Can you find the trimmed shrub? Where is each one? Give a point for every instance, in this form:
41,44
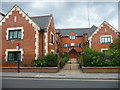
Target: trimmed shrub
49,60
95,58
78,59
63,59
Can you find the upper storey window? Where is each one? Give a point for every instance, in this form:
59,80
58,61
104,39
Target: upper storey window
72,37
106,39
52,38
15,34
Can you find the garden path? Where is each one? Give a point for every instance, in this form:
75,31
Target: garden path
71,67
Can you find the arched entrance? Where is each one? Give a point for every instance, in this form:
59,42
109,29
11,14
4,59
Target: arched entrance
72,53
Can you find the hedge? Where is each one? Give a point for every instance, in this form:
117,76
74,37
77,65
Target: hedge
95,58
49,60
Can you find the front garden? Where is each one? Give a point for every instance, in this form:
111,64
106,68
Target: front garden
94,58
50,60
109,57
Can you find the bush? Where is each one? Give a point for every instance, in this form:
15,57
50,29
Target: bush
95,58
78,59
63,59
49,60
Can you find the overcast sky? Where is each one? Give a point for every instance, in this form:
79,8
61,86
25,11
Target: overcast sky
71,14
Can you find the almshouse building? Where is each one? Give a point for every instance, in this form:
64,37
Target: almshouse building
74,40
36,36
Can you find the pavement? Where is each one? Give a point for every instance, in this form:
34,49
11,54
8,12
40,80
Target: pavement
71,70
104,76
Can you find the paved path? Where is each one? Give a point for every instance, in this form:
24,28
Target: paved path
71,67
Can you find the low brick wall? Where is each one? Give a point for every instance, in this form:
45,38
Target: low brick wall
30,69
100,69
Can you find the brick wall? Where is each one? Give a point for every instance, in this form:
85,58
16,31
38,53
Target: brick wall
97,70
27,69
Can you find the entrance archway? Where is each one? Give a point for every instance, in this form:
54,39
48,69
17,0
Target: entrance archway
72,53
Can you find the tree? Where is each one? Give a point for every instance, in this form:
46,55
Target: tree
116,43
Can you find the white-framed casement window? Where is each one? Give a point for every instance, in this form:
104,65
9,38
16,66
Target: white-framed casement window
13,55
15,33
79,45
72,44
65,45
104,49
72,37
106,39
51,38
52,51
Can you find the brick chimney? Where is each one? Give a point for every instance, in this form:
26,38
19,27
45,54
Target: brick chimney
85,38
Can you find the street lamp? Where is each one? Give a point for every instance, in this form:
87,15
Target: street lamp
18,48
58,51
82,56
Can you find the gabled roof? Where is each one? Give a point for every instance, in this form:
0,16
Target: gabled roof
78,31
42,21
104,22
17,8
2,14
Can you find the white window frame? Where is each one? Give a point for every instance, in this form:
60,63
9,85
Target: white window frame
72,44
14,28
105,36
104,49
65,45
78,45
72,38
50,38
13,50
52,50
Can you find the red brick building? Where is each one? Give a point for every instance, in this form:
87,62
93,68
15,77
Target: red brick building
73,40
35,36
103,37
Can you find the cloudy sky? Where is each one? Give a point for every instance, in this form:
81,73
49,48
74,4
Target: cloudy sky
71,14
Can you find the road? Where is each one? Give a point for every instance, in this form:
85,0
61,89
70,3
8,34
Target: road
57,83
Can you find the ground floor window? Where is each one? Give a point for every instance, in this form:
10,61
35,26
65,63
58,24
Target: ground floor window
79,45
65,53
79,53
104,50
14,56
65,45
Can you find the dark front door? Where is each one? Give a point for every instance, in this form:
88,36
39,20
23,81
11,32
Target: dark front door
73,54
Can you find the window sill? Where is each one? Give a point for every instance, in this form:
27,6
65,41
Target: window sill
12,61
50,43
105,43
14,39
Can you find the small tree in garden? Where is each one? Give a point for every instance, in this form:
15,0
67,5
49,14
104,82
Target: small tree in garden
63,59
115,45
